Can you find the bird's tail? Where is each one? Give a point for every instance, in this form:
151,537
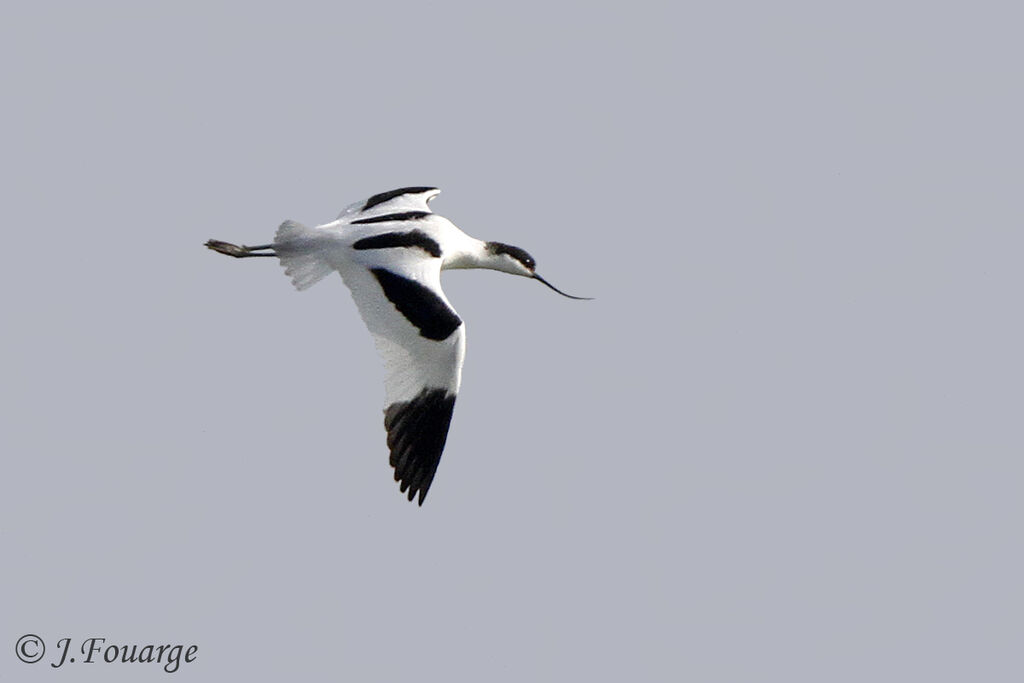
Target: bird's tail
301,254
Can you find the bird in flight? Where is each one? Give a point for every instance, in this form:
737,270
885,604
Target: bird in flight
390,250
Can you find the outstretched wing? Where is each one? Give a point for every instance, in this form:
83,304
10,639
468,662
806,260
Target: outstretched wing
393,201
422,342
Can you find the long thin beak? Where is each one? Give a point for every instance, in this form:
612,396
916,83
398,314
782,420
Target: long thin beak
570,296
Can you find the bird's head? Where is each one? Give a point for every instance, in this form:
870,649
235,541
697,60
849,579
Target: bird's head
509,259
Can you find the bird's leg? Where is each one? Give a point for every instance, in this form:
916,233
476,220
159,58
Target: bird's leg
240,251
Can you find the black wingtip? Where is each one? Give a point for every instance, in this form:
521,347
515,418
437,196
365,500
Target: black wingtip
417,431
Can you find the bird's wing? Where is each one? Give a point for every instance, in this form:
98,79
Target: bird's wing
422,341
394,201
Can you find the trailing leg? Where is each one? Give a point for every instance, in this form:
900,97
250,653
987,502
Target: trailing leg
240,251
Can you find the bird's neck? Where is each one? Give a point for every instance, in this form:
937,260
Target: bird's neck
466,252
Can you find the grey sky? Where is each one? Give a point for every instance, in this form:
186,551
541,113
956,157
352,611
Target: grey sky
783,443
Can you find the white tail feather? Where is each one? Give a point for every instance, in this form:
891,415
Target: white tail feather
301,255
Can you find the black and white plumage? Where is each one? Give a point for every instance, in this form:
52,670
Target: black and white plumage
390,250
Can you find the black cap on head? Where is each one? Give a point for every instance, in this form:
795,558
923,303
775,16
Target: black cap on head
515,252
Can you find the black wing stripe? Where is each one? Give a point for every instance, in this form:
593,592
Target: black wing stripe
420,306
388,196
391,217
417,431
388,240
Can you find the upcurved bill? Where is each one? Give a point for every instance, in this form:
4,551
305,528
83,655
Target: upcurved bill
570,296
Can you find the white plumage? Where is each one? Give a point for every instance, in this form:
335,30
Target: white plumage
390,250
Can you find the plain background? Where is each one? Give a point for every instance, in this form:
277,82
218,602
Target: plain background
783,444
